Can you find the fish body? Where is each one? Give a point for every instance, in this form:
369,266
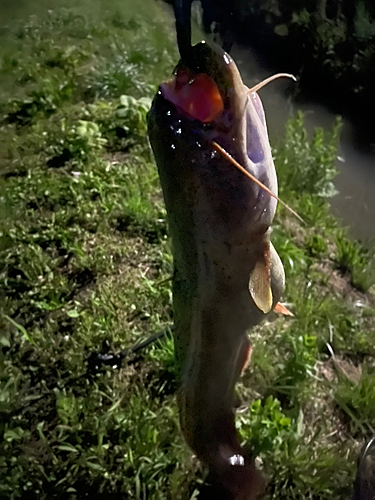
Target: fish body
227,275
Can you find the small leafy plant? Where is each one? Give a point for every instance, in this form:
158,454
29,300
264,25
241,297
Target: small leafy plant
266,426
307,166
352,258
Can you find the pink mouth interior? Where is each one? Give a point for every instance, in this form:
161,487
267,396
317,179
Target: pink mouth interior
197,95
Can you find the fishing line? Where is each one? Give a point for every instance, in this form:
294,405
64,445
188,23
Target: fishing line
182,12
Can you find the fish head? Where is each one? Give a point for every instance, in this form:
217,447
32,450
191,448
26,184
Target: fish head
206,101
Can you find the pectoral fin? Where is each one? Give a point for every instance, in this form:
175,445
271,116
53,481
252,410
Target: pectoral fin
280,309
260,286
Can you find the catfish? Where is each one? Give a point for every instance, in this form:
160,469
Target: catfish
227,275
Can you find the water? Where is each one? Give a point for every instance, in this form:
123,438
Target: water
355,203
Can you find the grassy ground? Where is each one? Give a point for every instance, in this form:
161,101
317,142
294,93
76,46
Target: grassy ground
85,264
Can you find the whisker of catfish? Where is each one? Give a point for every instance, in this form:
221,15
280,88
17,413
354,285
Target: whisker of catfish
265,82
270,79
254,179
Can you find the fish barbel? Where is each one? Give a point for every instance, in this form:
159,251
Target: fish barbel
227,275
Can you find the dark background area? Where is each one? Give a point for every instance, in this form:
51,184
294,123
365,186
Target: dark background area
328,44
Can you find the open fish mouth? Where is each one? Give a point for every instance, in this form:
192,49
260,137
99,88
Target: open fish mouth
227,275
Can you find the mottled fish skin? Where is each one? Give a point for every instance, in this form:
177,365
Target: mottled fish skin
219,223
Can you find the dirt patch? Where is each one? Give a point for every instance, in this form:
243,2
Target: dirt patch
341,283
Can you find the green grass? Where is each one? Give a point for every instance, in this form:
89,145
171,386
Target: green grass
85,262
